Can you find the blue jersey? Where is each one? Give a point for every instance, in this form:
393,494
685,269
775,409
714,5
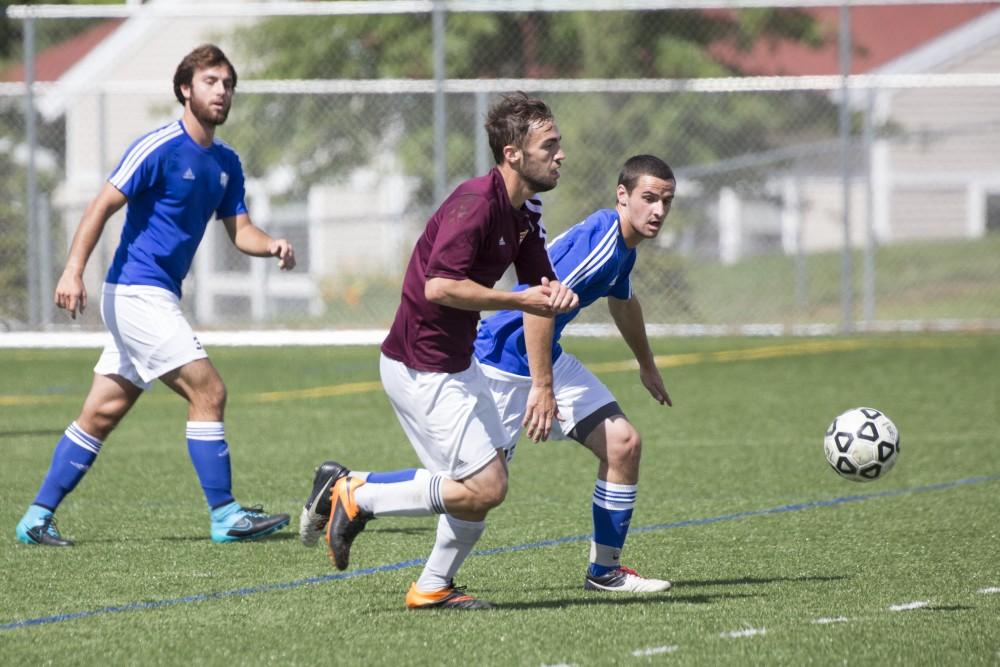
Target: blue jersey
174,186
592,259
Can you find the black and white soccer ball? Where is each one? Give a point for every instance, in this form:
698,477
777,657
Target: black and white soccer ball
862,444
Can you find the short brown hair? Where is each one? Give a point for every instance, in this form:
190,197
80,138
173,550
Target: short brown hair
204,56
644,165
510,120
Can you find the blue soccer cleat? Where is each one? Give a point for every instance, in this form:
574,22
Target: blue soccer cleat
234,523
38,526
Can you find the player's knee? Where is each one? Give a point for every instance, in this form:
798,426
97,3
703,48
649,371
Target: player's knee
212,397
625,448
491,495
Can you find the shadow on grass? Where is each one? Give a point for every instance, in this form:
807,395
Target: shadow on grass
281,536
755,580
601,599
30,434
954,607
402,531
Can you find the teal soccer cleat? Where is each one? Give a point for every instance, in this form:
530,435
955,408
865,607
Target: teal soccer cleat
233,523
38,526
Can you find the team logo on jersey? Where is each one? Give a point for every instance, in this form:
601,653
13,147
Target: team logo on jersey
224,179
197,343
188,175
502,242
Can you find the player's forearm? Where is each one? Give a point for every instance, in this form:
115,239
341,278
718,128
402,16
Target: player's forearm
538,332
252,240
466,295
630,322
88,233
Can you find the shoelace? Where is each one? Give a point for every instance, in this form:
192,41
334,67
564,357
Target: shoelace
628,570
49,526
255,511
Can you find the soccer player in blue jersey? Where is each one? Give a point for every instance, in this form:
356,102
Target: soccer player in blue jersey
594,258
174,180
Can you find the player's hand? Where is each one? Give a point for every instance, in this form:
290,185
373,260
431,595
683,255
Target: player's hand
71,294
539,413
283,250
536,300
653,382
561,298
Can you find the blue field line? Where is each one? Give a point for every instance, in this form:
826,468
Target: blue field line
299,583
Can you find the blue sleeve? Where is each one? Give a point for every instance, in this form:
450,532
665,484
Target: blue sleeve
622,289
139,168
234,199
583,259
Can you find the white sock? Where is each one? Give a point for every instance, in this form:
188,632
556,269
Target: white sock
455,539
420,496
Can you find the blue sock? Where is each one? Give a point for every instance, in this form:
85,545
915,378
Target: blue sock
74,454
612,509
210,455
392,476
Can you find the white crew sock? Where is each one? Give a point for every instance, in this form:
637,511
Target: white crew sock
455,539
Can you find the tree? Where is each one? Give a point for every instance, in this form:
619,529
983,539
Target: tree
320,138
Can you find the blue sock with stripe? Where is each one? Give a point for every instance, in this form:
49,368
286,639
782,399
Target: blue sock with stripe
612,509
391,476
74,454
209,453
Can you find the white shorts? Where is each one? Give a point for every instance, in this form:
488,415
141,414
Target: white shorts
578,395
149,335
450,418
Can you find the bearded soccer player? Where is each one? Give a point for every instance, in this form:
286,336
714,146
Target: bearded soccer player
594,258
437,390
174,180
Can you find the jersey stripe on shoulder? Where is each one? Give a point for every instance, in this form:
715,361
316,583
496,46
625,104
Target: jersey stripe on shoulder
601,253
141,151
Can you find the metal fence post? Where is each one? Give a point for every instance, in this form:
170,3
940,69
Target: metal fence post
871,243
31,186
846,281
440,128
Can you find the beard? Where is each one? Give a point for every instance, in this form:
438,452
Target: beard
539,180
205,113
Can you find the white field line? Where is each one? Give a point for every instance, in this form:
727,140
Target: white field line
654,650
748,632
907,606
989,589
831,619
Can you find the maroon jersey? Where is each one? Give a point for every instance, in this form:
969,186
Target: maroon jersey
475,234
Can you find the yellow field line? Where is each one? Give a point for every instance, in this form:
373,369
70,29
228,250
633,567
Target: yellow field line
662,361
316,392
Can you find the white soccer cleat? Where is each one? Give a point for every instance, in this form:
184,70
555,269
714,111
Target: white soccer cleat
625,580
316,513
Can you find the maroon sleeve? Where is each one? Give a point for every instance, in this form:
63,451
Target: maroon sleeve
464,223
533,263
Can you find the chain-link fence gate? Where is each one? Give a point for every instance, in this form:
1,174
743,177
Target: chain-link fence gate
810,201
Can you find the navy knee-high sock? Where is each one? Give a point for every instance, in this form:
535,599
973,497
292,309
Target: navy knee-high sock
74,454
210,455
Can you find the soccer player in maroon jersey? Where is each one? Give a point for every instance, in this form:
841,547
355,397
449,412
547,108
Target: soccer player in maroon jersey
436,388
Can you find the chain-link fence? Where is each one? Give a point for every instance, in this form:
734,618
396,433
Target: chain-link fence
806,201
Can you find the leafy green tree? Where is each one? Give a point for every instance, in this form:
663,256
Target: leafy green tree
321,137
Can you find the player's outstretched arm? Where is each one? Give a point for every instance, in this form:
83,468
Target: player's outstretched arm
541,407
254,241
470,295
627,314
71,294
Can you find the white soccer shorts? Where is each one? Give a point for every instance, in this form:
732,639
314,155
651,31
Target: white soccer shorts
449,418
149,335
578,395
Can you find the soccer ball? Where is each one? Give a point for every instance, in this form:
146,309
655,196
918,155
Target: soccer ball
861,444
